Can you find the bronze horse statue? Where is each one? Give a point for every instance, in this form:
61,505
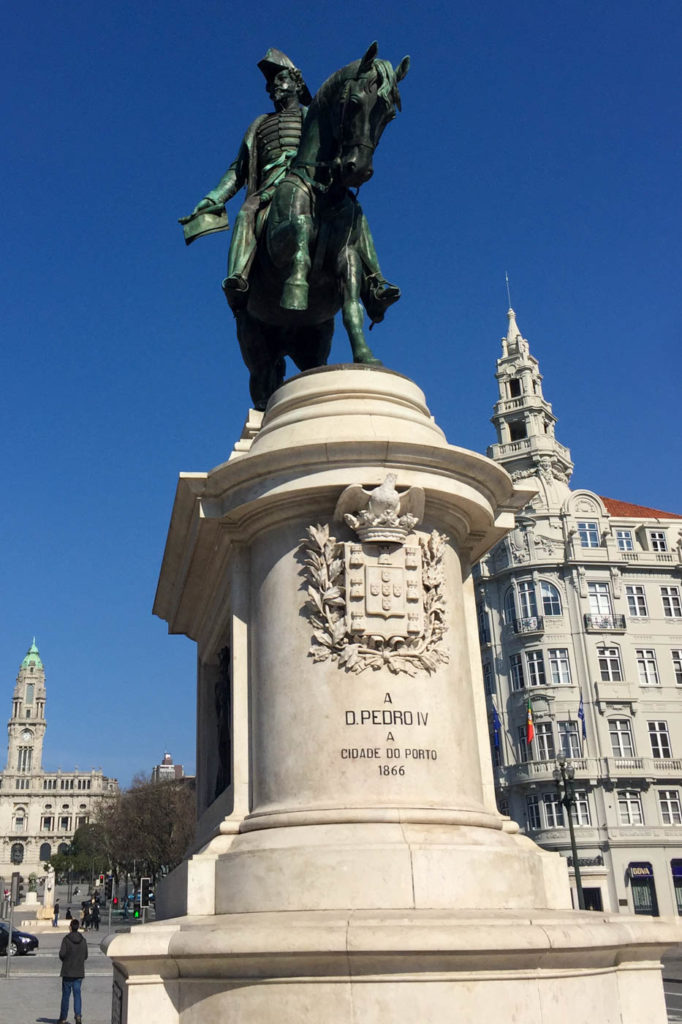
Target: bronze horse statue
316,255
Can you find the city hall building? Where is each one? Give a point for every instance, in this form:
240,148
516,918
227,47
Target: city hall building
39,810
580,623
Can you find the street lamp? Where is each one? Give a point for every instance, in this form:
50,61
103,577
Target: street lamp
564,774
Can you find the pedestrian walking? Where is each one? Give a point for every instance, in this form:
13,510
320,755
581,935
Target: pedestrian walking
94,916
73,953
55,911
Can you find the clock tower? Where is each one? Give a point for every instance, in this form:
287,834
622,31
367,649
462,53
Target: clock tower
26,727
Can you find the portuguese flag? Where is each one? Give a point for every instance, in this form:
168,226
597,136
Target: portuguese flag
530,728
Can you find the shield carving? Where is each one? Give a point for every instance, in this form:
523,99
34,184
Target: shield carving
384,593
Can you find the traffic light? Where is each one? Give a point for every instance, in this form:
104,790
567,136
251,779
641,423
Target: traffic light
14,892
20,889
144,891
109,887
115,901
101,879
136,911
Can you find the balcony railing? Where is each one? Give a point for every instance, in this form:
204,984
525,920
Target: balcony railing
642,767
605,623
530,624
537,771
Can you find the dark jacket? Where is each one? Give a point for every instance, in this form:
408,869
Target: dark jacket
73,953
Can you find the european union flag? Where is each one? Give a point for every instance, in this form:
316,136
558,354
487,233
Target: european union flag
497,728
581,716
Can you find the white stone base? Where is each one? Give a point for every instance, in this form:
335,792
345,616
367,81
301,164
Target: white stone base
389,967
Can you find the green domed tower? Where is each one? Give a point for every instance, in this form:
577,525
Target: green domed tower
26,727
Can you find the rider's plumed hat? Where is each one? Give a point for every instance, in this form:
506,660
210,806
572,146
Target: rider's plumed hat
275,61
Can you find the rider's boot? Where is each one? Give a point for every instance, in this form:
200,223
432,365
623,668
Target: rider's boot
295,288
377,295
239,260
236,289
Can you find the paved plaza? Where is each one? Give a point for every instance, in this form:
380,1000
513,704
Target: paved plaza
32,992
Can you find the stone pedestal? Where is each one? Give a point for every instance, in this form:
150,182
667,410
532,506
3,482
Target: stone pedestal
351,864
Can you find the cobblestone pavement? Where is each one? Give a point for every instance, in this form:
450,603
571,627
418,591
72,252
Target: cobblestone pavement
32,992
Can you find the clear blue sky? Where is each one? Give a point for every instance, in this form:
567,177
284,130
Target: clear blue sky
537,138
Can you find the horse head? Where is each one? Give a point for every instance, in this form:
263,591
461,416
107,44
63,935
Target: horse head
367,101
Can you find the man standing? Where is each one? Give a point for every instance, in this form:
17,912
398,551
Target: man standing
73,953
262,162
55,915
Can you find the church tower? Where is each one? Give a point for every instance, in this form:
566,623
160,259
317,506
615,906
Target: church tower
26,727
524,421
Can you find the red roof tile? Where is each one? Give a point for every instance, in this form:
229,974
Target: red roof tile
624,508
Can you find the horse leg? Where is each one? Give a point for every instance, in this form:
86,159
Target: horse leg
261,355
350,272
313,344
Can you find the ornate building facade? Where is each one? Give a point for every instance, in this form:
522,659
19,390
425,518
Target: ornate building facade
580,622
39,810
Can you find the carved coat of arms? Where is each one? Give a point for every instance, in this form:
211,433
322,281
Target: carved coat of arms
378,601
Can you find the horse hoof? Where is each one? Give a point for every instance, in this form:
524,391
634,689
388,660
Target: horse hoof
294,296
367,359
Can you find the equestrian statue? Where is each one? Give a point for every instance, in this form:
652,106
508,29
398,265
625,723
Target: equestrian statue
301,249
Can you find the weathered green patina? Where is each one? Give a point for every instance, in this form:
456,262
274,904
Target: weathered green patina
301,249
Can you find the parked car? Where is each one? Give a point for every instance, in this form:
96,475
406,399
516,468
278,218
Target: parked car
21,942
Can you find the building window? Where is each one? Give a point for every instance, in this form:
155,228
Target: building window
646,666
669,802
509,607
580,811
660,740
624,540
47,823
588,531
45,852
532,812
621,737
536,668
677,665
672,608
630,807
544,742
516,671
559,668
609,664
554,812
569,739
551,601
81,820
488,683
657,540
29,693
527,606
522,744
24,759
636,601
64,823
19,824
599,598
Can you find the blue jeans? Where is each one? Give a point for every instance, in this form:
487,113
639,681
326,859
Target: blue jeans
70,985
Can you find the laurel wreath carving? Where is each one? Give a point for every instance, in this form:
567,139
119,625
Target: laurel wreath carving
324,573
